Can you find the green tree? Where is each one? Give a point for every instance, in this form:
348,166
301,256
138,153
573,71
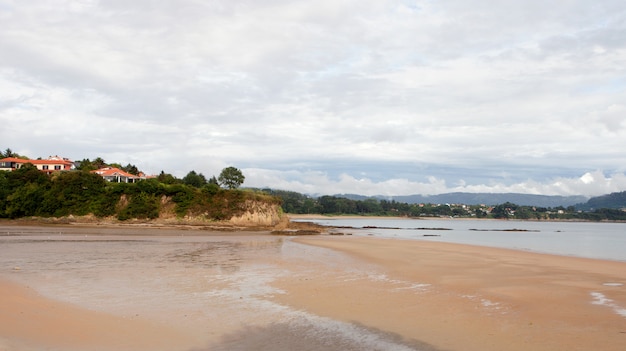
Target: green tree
85,165
141,205
194,179
167,178
369,206
8,153
132,169
231,178
328,204
27,186
99,163
28,173
73,193
504,210
5,191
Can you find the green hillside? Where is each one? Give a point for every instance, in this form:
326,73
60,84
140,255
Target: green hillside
28,192
613,201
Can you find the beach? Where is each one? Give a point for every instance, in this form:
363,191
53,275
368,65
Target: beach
129,288
461,297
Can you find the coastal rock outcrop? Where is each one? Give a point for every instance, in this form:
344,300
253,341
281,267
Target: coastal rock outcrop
258,213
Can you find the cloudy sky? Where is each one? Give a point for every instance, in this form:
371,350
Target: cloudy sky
386,97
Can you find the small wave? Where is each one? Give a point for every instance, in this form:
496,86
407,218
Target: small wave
600,299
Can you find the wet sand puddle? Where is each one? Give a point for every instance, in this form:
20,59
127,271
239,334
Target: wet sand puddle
217,288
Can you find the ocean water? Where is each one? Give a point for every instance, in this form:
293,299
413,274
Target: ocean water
581,239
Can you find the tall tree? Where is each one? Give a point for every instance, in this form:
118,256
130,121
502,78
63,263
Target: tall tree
8,153
194,179
231,178
85,165
167,178
132,169
99,163
213,180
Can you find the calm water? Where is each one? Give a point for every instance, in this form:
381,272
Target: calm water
583,239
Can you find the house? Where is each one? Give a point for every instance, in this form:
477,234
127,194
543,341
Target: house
50,165
58,164
113,174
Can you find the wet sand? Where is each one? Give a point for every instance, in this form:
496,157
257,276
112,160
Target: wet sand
31,322
67,288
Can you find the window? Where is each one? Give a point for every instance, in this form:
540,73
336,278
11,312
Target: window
57,167
44,167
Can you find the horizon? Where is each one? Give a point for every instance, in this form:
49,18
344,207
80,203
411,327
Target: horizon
391,98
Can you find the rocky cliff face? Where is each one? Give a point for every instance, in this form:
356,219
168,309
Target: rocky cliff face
259,214
250,213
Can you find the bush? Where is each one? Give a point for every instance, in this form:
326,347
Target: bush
141,206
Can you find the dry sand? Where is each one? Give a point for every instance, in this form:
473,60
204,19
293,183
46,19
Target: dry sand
122,289
460,297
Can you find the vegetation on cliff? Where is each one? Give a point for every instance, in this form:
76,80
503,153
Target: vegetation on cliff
28,192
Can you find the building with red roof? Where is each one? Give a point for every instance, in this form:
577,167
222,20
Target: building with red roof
52,164
113,174
59,164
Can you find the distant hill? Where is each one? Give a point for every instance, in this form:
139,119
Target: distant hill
613,200
483,198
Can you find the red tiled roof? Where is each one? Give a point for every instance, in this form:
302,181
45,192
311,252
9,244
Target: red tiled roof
36,162
112,172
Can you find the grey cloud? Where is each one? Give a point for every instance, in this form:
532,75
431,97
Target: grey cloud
380,94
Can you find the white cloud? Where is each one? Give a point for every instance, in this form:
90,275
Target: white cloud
461,92
319,183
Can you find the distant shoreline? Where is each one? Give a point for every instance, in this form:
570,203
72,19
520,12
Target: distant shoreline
445,218
222,227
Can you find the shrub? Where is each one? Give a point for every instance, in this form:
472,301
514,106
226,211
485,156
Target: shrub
141,206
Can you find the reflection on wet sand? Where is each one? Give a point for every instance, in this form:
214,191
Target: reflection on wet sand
306,336
215,288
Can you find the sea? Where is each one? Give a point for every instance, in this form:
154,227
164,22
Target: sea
598,240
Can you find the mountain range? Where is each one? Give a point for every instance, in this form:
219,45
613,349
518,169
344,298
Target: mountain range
613,200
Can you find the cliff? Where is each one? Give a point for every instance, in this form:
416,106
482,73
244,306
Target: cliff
256,213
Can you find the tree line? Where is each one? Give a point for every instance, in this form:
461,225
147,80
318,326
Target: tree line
296,203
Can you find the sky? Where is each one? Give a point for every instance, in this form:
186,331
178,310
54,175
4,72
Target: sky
387,97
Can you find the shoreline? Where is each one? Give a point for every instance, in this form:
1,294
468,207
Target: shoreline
290,224
446,218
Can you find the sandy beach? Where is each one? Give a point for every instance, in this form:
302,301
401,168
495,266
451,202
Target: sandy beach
92,288
460,297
